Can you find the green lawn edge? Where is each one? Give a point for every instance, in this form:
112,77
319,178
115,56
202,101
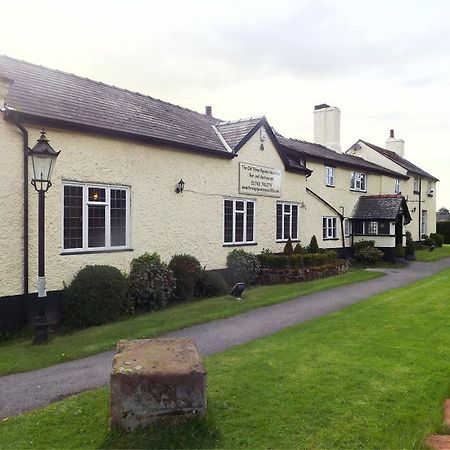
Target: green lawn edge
21,355
372,375
435,255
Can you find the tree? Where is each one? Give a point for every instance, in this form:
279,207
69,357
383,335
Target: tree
443,210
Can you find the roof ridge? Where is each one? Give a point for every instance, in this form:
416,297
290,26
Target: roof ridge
104,84
247,119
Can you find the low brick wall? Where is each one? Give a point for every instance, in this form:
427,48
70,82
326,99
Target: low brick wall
277,276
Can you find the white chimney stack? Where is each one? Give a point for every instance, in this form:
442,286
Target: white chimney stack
327,126
395,145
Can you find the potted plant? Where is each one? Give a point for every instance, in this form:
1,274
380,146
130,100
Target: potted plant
399,254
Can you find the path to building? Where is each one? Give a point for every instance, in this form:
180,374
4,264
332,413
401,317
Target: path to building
30,390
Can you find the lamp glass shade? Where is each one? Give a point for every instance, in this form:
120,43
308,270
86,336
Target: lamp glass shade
43,164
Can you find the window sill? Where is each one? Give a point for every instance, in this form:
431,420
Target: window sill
283,241
88,252
331,239
358,190
243,244
416,192
330,185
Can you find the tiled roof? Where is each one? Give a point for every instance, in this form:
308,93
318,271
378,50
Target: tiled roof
235,131
409,166
66,98
319,152
380,207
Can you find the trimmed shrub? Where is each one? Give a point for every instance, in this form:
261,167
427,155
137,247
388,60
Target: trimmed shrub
151,283
318,259
96,295
288,248
410,249
210,284
297,261
243,267
298,249
444,229
369,255
313,245
357,246
438,238
429,241
399,251
186,270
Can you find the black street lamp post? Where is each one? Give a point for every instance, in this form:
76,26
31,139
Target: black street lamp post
43,158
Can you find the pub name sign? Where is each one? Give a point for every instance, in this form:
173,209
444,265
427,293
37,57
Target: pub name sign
259,180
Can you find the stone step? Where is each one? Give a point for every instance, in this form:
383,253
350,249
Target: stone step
438,442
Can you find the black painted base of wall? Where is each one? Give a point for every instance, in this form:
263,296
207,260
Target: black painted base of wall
19,310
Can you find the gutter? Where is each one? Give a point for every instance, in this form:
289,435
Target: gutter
10,113
341,217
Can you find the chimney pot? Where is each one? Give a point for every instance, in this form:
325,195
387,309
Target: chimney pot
391,134
321,106
208,111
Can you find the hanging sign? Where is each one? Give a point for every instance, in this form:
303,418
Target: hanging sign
259,180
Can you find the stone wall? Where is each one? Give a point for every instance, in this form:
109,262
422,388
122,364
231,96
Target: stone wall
276,276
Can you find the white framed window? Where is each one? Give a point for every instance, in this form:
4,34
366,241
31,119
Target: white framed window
371,227
238,221
287,221
424,222
95,217
329,176
416,185
397,186
329,227
358,181
347,227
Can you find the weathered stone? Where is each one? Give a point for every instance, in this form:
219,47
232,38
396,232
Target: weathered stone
155,379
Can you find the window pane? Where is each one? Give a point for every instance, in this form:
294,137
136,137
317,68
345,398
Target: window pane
239,206
279,221
384,227
250,220
118,217
97,195
73,217
239,230
287,225
228,221
96,226
294,231
324,226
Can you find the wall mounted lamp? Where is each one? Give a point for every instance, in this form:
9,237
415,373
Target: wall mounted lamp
179,188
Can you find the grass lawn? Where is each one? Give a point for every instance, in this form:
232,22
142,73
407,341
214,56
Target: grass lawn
373,375
20,354
437,253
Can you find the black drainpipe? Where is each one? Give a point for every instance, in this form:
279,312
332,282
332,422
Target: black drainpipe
420,209
25,205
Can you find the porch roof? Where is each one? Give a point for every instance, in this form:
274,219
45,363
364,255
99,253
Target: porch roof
381,207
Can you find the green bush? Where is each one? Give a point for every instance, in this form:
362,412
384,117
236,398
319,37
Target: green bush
243,267
429,241
211,284
369,255
444,229
313,245
438,238
151,283
357,246
399,251
186,270
297,260
298,249
410,247
97,294
318,259
288,248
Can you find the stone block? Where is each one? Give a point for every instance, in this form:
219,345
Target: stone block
156,379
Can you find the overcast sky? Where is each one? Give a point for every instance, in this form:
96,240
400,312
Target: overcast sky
385,64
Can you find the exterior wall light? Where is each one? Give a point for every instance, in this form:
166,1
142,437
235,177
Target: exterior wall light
43,158
179,188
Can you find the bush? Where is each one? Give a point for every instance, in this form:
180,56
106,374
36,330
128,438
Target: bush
438,238
318,259
369,254
296,260
399,251
97,294
298,249
151,283
243,266
186,270
357,246
288,248
443,228
313,245
429,241
210,284
410,247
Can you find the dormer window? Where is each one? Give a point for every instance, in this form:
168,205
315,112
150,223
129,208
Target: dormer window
358,181
397,186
